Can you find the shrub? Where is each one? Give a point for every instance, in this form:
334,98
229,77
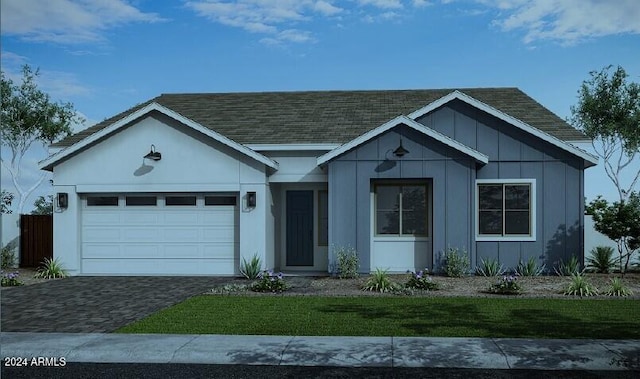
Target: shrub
421,280
51,269
571,267
618,288
507,285
10,279
251,269
489,267
530,268
269,282
379,281
8,257
580,286
347,262
456,264
601,259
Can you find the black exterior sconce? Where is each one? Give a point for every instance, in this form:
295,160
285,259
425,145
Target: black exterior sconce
63,200
251,199
153,154
400,151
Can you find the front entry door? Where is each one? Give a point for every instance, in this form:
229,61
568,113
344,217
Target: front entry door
299,228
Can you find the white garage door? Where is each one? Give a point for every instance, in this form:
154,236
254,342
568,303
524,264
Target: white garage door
149,234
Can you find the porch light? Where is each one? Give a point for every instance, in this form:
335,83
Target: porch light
153,154
400,151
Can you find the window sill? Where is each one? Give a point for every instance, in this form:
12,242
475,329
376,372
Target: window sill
400,239
505,238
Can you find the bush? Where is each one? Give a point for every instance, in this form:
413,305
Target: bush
601,259
507,285
51,269
571,267
618,288
456,264
251,269
10,279
379,281
530,268
489,267
269,282
8,257
347,262
580,286
421,280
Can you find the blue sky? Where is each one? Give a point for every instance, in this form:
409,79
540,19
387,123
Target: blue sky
106,56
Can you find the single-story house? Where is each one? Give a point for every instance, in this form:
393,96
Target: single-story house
188,184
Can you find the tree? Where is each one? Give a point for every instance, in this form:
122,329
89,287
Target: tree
608,112
28,116
620,222
43,206
6,198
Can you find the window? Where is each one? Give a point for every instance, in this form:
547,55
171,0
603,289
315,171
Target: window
219,200
506,209
102,201
180,200
401,209
323,218
141,201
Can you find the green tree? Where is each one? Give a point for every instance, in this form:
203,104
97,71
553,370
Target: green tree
6,198
620,222
43,206
608,112
28,115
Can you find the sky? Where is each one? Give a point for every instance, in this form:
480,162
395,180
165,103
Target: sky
105,56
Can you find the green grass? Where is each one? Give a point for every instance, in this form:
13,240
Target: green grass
388,316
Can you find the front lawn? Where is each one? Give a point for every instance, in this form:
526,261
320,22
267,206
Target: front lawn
397,316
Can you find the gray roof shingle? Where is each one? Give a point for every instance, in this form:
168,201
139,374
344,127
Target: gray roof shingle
328,116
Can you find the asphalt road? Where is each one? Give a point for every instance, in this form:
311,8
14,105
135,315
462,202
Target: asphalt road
182,371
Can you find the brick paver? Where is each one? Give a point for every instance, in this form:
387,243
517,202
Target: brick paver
94,304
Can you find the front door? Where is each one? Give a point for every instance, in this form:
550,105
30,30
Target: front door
299,228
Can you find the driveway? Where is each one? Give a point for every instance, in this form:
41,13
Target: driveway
94,304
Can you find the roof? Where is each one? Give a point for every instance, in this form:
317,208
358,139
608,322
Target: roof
328,117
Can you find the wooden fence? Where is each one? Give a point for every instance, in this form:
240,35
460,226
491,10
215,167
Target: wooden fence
36,239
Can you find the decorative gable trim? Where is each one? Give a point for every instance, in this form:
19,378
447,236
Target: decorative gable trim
403,120
590,160
51,161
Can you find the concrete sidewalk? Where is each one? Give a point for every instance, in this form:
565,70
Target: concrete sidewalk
481,353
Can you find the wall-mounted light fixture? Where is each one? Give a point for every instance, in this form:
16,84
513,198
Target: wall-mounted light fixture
153,154
400,151
251,199
63,200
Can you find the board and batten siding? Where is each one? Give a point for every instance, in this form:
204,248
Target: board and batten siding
515,154
450,172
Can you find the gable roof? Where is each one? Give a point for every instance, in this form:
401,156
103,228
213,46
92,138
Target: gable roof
328,117
478,156
48,163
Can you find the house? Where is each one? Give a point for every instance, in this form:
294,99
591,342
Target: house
192,183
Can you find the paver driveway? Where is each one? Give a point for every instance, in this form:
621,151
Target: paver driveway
94,304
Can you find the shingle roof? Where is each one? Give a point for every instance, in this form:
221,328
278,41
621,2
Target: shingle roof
328,116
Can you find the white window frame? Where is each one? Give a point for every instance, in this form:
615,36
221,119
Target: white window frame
532,211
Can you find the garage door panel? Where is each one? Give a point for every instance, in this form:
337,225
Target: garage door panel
105,234
221,234
101,251
155,266
141,235
102,218
181,234
146,218
181,218
216,250
219,217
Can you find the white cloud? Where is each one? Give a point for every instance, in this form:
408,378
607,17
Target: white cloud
66,21
567,21
383,4
420,3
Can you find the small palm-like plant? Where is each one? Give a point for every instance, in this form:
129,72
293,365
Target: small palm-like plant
530,268
379,281
489,267
51,269
572,266
618,288
601,259
580,286
251,269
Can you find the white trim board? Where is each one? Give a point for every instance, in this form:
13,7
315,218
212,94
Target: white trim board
400,120
49,162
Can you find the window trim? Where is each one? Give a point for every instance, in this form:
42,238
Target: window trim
400,235
532,211
322,244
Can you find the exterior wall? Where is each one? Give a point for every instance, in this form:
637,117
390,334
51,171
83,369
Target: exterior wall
190,162
515,154
296,166
11,233
451,173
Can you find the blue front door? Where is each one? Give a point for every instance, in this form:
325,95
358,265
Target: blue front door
299,228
